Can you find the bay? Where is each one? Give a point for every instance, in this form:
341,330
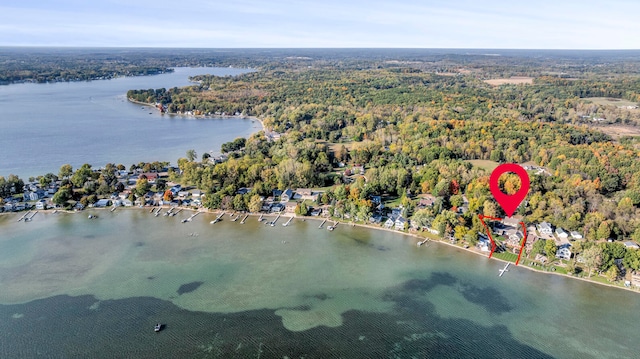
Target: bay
75,287
43,126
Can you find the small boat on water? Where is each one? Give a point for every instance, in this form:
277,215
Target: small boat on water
157,328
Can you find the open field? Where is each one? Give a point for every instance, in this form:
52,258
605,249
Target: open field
515,80
484,164
610,101
617,131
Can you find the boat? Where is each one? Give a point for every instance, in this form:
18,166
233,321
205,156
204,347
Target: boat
157,328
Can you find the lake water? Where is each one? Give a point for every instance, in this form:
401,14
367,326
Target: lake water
75,287
43,126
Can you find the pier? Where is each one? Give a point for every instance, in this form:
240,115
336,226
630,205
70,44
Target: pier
113,209
287,222
176,212
504,269
273,223
168,213
27,219
235,219
331,228
322,224
158,211
218,219
423,242
24,216
261,219
244,219
190,218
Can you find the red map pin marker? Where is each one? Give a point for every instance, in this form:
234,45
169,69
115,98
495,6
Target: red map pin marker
509,203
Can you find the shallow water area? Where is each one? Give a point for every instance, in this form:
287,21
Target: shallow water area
352,292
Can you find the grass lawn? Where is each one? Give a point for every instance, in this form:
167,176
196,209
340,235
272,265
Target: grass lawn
610,101
484,164
506,256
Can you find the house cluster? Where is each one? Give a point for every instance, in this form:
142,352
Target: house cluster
287,200
34,196
511,232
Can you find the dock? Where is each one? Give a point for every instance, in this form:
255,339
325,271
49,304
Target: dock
113,209
244,219
158,212
218,219
24,216
331,228
28,219
423,242
168,213
176,212
287,222
273,223
236,218
504,269
190,218
261,219
322,224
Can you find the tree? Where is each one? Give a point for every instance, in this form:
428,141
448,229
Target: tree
604,230
301,209
613,273
255,203
592,257
65,171
550,248
538,247
62,196
142,187
168,196
81,175
191,155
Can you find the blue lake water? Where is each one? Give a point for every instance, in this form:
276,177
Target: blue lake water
43,126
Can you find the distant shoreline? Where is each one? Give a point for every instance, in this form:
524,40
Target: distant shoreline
199,116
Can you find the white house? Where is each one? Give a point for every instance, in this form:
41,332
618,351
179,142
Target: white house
41,204
399,223
389,223
561,233
576,235
545,228
631,244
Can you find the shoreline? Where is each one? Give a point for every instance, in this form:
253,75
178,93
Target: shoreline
199,117
320,219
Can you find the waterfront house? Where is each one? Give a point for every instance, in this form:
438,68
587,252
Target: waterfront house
287,195
375,218
277,207
389,223
41,204
290,207
545,228
102,203
399,223
564,252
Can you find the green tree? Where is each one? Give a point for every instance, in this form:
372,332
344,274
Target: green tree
62,196
613,273
550,248
301,209
65,171
255,203
592,257
191,155
142,187
604,230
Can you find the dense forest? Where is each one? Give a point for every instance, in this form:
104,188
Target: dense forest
415,130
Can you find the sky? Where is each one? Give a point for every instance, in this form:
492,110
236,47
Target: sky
533,24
